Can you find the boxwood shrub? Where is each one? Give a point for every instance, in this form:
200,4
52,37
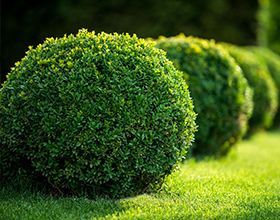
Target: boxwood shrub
265,92
95,114
222,97
272,61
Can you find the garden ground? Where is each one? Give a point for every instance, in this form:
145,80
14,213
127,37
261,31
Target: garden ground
244,185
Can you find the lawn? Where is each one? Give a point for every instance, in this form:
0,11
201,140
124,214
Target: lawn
244,185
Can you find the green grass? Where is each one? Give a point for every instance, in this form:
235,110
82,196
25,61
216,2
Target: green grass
244,185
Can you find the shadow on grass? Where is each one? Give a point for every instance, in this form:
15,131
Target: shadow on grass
204,157
26,203
198,157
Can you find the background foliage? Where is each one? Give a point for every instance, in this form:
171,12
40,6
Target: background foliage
265,91
272,61
269,24
29,22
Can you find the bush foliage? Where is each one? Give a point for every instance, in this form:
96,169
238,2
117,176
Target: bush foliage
265,91
272,61
95,114
221,94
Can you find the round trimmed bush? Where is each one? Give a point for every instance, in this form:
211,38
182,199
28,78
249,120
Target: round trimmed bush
221,94
272,61
265,92
95,114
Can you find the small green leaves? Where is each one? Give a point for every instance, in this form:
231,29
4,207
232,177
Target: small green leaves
96,114
220,91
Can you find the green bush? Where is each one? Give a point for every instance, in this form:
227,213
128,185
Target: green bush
221,94
272,61
95,114
265,92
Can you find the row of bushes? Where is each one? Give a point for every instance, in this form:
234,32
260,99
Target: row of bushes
110,114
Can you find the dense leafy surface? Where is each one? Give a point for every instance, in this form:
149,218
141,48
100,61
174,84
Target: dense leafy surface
272,61
222,97
245,185
265,91
95,114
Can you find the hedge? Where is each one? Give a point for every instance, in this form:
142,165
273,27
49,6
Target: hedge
272,61
265,91
221,94
95,114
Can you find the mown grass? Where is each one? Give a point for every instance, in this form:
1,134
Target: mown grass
244,185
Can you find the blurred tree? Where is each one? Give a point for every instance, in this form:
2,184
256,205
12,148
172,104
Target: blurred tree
29,22
269,24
